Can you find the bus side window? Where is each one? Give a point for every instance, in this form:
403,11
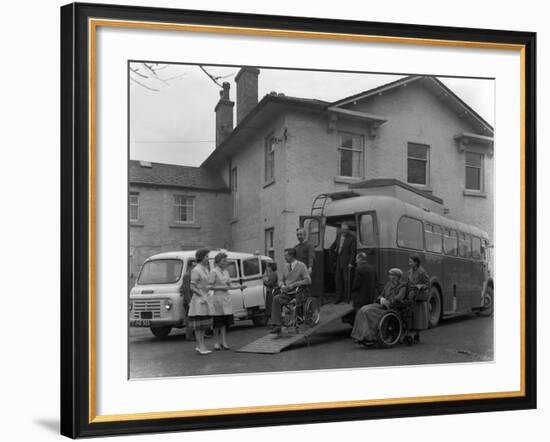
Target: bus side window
464,245
476,248
450,242
410,233
433,238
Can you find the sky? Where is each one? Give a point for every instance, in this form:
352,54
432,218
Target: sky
175,122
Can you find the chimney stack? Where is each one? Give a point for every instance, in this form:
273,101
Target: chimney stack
224,115
247,91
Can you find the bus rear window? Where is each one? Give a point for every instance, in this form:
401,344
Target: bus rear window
409,233
161,271
366,231
311,226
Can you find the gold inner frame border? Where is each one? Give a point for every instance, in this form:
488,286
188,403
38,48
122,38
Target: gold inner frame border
93,24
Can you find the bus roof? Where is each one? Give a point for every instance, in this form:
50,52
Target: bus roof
186,254
390,209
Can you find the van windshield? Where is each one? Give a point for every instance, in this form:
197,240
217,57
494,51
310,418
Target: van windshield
161,271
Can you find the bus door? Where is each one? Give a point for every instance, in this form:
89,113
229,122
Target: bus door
368,237
314,227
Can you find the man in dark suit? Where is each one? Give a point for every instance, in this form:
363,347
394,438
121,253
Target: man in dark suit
345,247
365,283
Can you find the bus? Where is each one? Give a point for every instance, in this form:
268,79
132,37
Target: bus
389,229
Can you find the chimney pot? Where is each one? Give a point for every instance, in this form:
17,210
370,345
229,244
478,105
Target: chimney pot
224,115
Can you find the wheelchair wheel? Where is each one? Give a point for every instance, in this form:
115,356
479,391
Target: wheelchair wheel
312,312
390,328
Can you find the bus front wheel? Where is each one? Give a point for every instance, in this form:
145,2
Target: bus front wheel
161,332
434,307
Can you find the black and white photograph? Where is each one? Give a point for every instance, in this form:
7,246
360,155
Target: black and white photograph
299,219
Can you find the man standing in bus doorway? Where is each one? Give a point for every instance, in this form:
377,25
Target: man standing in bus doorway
304,250
344,246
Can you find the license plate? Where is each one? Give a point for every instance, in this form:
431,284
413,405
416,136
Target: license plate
140,323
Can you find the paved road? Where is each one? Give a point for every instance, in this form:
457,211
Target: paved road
465,339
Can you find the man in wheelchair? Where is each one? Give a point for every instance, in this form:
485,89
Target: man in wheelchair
389,320
295,276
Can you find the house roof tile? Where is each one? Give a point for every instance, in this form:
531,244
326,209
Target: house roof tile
172,175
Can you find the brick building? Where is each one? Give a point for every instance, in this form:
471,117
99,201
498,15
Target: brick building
283,151
171,208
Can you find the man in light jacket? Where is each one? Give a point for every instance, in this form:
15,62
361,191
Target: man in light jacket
295,274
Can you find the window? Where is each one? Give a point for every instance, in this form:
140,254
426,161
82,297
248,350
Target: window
269,249
270,159
433,238
232,269
409,233
134,206
476,247
464,245
350,156
251,267
474,171
161,271
184,209
418,169
311,226
366,230
450,242
234,191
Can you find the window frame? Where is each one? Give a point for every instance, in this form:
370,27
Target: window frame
269,158
176,211
361,151
467,237
234,182
397,234
481,172
269,239
426,160
138,214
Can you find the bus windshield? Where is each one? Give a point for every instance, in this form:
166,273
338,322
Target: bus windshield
161,271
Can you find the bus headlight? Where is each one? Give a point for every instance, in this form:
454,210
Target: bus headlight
167,305
130,306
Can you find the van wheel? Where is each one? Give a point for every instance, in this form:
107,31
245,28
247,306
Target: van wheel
260,320
434,307
161,332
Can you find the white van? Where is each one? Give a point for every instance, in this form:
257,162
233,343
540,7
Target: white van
156,300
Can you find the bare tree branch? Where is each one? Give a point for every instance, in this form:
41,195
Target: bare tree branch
143,85
211,77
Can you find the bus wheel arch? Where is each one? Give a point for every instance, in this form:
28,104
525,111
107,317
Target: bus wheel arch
435,306
488,301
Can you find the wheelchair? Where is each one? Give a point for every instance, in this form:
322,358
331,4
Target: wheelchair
302,309
396,324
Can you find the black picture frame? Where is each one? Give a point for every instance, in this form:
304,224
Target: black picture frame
76,249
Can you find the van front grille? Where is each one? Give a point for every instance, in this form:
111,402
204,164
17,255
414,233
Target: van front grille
152,306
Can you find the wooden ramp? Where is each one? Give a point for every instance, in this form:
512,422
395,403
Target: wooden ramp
273,343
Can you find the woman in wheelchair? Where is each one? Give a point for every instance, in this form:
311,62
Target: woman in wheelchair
367,318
